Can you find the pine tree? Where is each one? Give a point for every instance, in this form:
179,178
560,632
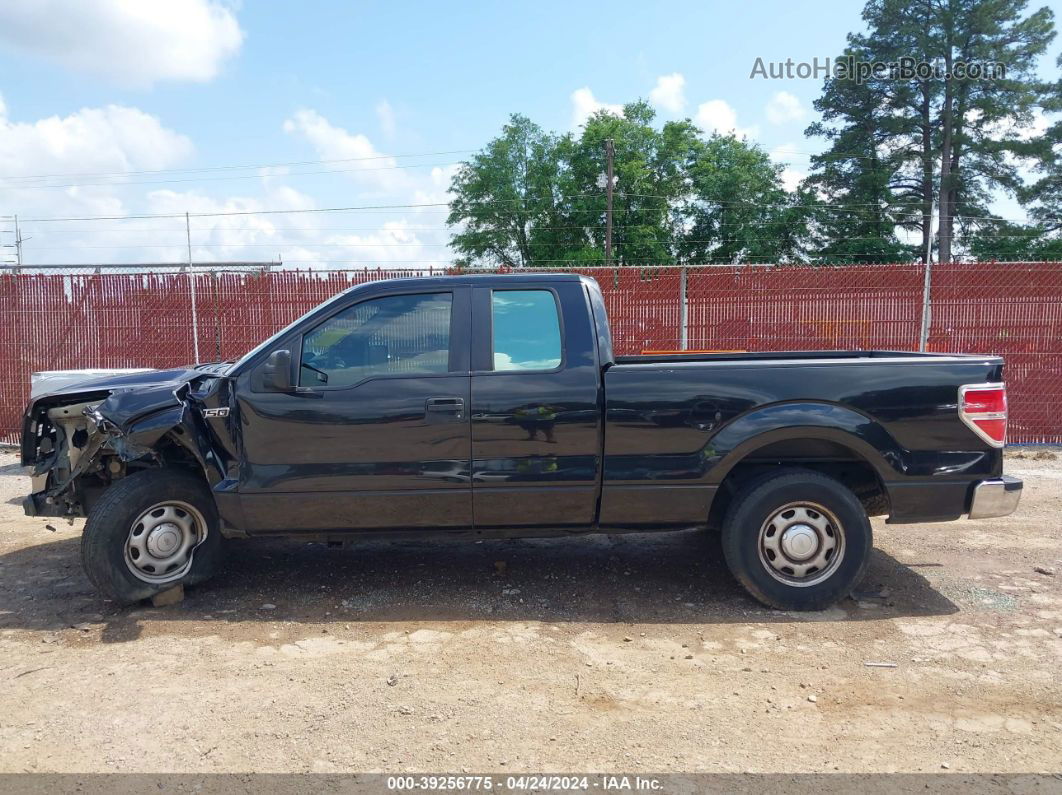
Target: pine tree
942,138
856,209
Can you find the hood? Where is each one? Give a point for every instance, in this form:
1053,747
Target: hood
126,397
121,383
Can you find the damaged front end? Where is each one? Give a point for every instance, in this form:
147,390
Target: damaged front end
81,440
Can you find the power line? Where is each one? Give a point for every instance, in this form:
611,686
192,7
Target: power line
483,208
237,212
891,216
225,178
237,168
271,229
280,244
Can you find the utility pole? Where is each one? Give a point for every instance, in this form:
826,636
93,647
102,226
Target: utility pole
610,152
191,281
18,245
927,286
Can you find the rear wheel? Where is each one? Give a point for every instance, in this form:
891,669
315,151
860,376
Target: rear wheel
149,532
797,540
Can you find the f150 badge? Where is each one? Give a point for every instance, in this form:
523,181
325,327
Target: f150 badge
222,412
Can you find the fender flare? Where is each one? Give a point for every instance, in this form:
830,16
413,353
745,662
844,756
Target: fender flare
807,420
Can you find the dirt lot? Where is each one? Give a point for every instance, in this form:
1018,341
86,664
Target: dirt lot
634,653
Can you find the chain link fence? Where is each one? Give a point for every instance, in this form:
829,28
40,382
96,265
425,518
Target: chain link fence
169,316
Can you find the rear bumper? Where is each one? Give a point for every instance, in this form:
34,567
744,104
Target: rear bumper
996,497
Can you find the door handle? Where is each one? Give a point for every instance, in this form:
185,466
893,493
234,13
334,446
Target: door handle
445,405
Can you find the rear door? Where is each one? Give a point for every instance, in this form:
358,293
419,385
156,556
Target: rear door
376,432
536,407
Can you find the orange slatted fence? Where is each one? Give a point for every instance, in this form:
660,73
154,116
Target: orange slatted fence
52,320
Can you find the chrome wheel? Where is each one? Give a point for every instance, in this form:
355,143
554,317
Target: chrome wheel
162,540
801,544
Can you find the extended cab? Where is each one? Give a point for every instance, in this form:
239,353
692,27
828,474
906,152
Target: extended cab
495,406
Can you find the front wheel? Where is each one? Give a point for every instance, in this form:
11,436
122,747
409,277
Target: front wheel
150,531
797,540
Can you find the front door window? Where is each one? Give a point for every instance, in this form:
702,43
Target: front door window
391,335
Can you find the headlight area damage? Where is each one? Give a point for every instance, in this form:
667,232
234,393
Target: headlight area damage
80,441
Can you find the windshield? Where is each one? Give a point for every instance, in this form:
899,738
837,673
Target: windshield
271,340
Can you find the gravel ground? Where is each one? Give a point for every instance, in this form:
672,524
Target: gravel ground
630,653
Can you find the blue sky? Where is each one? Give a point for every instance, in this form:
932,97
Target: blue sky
107,87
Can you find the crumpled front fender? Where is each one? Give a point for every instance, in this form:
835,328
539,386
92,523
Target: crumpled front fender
139,439
184,426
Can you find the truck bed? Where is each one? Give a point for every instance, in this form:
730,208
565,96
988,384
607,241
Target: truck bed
766,356
673,421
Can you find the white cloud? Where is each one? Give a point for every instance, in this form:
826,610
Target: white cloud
669,92
366,165
1039,126
3,107
96,143
301,239
394,242
1008,128
784,107
584,105
442,176
231,227
505,361
133,42
791,177
716,116
386,114
254,238
92,140
435,189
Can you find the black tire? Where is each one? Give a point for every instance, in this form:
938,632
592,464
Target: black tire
103,542
843,523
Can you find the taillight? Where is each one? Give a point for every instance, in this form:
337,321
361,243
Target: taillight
983,407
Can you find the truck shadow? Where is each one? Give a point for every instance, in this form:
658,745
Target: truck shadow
672,578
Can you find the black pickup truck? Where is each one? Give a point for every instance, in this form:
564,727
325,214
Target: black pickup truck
476,406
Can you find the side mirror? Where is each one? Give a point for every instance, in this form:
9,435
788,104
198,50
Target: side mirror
276,372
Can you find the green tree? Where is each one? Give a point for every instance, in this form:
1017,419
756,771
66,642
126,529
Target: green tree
738,210
856,208
1044,196
532,198
651,169
1012,242
506,198
979,118
939,140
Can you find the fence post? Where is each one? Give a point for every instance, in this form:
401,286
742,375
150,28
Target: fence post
195,315
923,337
684,336
217,316
191,282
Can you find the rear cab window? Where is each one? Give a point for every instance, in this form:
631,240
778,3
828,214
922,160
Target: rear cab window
526,334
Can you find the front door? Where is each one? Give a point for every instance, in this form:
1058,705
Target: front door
376,433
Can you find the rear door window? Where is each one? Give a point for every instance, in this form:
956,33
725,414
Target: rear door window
526,330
